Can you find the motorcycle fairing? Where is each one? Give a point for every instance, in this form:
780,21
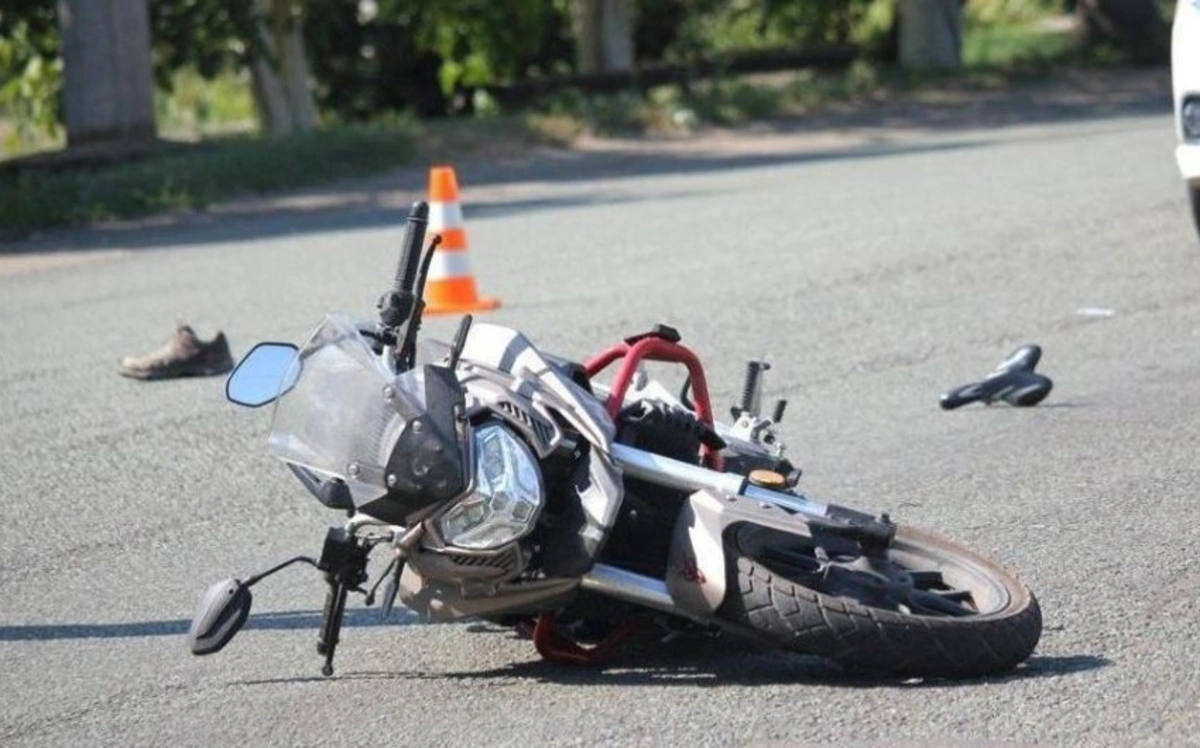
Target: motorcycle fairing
696,562
543,388
507,350
427,465
696,565
346,410
498,394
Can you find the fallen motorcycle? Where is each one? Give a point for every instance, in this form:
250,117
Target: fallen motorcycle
504,483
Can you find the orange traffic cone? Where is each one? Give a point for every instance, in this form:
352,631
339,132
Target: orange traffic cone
450,286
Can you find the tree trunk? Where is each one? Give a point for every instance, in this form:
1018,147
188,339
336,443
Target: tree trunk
279,73
604,35
108,88
930,33
1134,26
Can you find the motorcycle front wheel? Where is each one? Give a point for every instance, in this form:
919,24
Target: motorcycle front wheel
937,610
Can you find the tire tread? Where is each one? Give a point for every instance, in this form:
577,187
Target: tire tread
813,623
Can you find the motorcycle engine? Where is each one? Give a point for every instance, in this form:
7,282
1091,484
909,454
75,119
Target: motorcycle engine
642,534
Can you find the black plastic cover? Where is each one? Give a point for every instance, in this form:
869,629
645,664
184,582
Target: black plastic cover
665,332
570,551
222,610
426,465
331,492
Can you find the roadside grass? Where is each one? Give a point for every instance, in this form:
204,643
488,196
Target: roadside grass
1015,46
194,175
994,56
214,166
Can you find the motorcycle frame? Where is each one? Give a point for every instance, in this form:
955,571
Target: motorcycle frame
654,349
695,583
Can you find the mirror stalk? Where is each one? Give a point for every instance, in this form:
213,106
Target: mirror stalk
298,559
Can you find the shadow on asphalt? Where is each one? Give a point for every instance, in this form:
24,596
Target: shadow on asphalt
282,621
717,670
1006,408
708,662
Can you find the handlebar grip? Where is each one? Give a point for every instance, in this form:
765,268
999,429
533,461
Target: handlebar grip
410,256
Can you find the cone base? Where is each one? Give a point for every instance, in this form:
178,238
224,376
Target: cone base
463,307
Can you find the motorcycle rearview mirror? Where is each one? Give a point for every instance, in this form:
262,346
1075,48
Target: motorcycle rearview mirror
224,608
264,374
222,612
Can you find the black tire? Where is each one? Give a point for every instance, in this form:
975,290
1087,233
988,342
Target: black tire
763,596
1194,194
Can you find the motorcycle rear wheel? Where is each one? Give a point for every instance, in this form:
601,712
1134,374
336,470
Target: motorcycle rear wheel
777,591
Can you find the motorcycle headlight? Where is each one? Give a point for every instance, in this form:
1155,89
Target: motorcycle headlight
507,497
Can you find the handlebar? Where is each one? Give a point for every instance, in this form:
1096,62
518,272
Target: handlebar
397,305
410,256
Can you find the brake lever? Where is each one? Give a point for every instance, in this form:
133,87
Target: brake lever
331,492
390,589
403,545
379,336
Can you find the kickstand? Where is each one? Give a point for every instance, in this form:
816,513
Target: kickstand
331,621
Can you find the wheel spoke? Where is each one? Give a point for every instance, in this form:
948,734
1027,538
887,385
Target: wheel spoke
937,604
798,561
925,579
957,596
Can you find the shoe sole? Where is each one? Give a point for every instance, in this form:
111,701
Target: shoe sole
147,376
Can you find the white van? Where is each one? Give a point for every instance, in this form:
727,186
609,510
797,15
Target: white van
1185,77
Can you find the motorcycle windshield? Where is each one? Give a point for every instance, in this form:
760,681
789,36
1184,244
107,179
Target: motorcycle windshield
346,410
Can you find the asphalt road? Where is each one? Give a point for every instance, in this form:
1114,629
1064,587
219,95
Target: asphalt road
874,265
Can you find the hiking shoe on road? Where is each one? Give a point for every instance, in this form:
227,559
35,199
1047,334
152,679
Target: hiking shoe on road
184,355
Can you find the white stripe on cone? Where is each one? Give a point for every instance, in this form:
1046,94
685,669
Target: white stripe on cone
445,216
448,264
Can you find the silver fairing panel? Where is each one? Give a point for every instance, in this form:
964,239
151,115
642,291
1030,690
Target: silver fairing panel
503,372
504,349
696,564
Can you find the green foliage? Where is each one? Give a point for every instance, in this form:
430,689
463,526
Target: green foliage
433,56
31,27
364,65
427,55
722,26
30,72
209,36
204,36
29,93
995,56
197,176
1009,45
481,41
730,101
1008,12
196,106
